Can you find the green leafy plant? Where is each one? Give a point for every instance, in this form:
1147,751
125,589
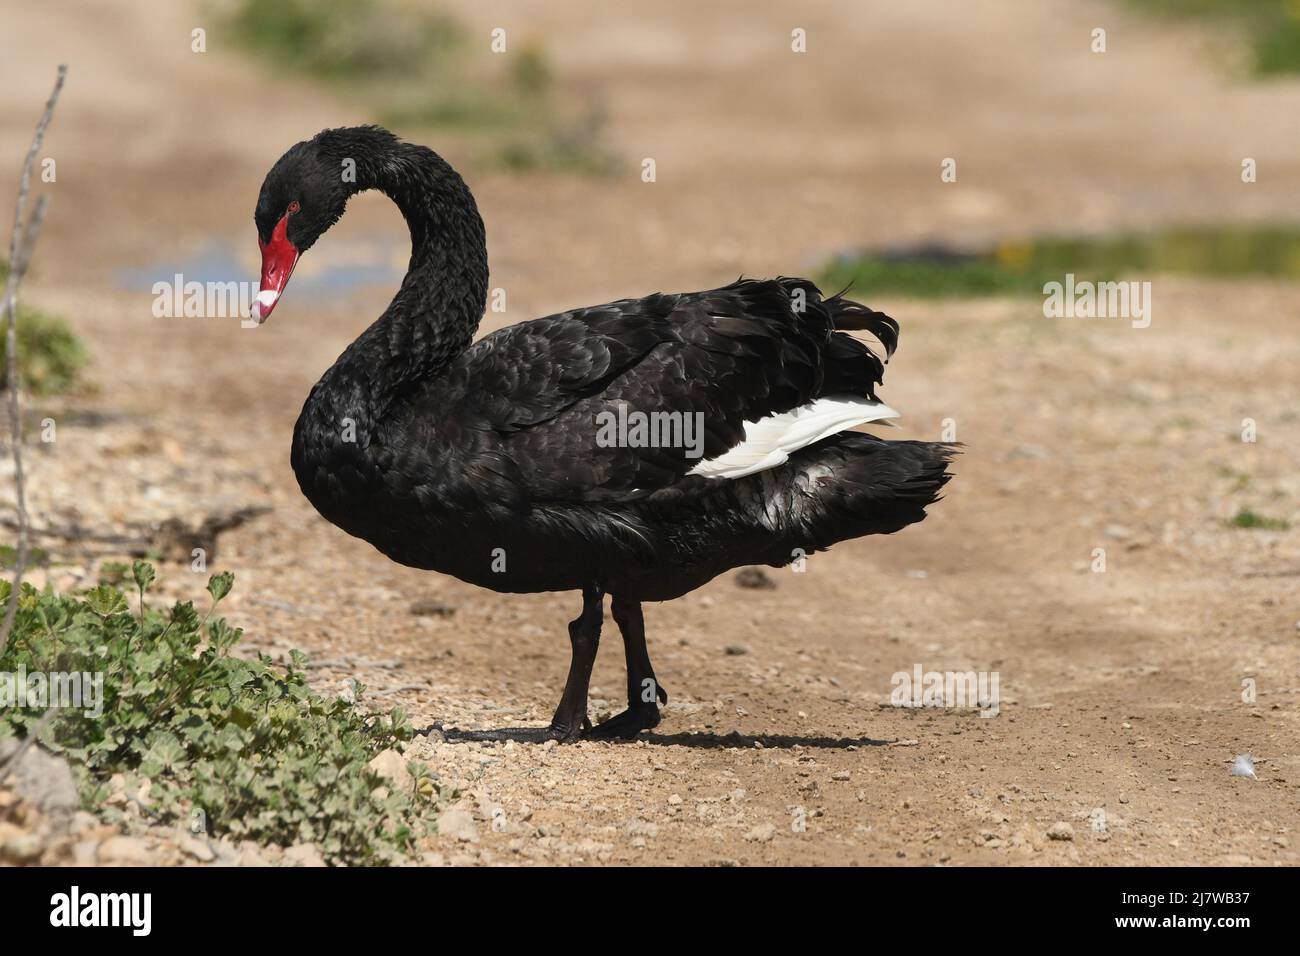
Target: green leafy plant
114,572
262,755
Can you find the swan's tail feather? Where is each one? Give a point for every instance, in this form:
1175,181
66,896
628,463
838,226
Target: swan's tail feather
850,316
849,364
851,485
886,485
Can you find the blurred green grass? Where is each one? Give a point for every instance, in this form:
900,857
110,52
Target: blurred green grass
346,40
50,356
414,67
1023,268
1271,27
1251,520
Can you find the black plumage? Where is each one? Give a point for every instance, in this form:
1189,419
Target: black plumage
483,459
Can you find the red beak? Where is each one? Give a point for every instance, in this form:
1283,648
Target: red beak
279,256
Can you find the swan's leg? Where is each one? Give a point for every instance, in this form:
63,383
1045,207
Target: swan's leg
642,688
570,718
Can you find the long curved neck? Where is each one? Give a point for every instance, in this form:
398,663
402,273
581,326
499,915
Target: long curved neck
434,314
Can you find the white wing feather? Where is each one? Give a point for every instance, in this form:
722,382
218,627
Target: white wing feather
770,441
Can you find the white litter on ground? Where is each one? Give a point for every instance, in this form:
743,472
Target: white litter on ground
1244,766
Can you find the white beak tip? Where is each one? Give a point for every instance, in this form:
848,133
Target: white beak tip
262,304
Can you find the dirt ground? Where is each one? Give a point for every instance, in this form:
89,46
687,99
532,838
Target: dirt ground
1122,691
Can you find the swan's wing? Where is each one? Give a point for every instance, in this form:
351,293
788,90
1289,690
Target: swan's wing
664,394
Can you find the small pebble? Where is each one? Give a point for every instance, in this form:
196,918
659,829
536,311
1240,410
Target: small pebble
1060,830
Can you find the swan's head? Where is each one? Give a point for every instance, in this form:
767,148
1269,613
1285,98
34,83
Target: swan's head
302,196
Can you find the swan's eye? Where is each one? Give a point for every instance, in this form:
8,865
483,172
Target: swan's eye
294,207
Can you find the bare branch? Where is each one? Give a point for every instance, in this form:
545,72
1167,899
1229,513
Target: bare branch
31,234
21,246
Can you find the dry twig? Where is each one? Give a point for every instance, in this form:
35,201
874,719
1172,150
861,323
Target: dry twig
21,246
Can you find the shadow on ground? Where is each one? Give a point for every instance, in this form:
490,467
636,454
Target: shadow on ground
731,741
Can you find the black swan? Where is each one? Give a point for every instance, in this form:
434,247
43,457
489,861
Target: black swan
636,449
